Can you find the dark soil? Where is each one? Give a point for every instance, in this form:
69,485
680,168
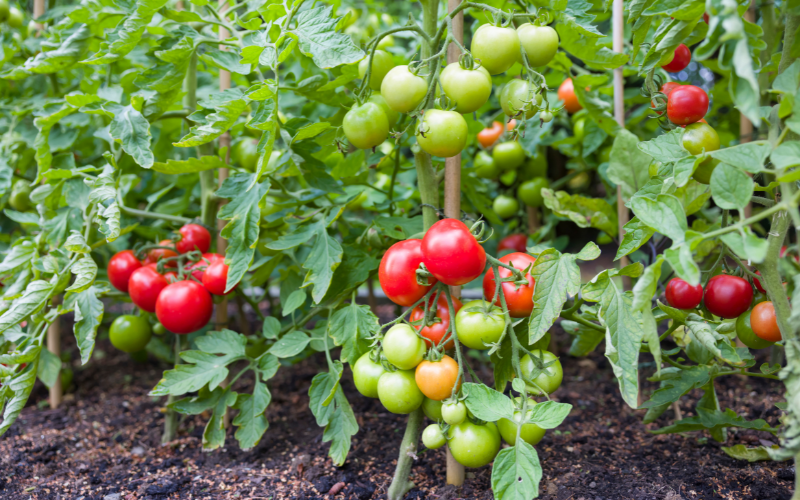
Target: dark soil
104,443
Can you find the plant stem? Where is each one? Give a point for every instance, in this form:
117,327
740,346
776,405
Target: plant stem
400,483
171,418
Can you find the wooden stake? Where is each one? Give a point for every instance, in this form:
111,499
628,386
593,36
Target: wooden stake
619,110
452,205
54,346
533,220
38,11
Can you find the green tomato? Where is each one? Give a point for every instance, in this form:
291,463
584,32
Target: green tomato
245,154
479,323
15,18
469,89
530,192
454,413
698,138
399,393
496,48
509,177
350,16
391,114
366,374
403,90
579,129
702,173
442,133
540,43
535,166
485,167
159,329
508,155
516,95
546,116
382,62
474,445
433,437
505,206
366,126
387,41
530,433
550,379
745,333
20,198
604,155
4,10
130,333
432,409
403,347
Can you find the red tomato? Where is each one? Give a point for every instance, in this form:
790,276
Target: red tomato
489,135
451,253
198,269
757,283
519,300
216,277
145,285
668,87
784,249
728,296
156,254
682,295
764,322
398,273
120,268
566,92
193,237
184,307
705,17
516,242
687,104
434,333
681,59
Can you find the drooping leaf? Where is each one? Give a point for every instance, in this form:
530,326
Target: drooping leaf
351,328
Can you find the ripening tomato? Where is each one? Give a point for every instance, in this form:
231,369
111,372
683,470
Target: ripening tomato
437,379
366,126
403,90
530,191
454,412
397,273
757,283
469,89
402,346
540,43
489,135
764,322
399,393
705,17
442,133
530,433
745,333
381,64
680,59
474,445
434,333
496,48
549,379
566,92
700,137
727,296
479,324
518,299
433,437
120,268
682,295
215,278
184,307
156,254
145,285
366,374
452,254
517,95
130,333
687,104
193,237
517,242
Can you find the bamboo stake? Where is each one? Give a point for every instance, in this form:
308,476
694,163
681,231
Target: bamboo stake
38,11
619,110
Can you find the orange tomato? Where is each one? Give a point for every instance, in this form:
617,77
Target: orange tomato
764,323
511,124
436,379
489,135
566,92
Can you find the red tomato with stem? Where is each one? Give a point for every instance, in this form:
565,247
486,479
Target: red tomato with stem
519,300
681,59
193,237
764,322
121,267
216,277
682,295
198,269
452,254
668,87
434,333
489,135
566,92
436,379
517,242
184,307
145,286
727,296
687,104
156,254
397,273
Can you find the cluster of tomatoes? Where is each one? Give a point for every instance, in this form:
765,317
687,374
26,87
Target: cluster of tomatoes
11,15
730,297
467,84
179,295
411,370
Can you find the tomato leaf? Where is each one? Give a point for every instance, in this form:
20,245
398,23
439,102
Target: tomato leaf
664,214
637,234
20,255
49,368
666,147
317,38
516,473
743,452
128,34
221,110
586,339
15,393
714,419
583,211
295,300
486,403
290,345
628,164
85,271
730,187
251,421
549,414
33,299
592,51
189,165
322,261
351,328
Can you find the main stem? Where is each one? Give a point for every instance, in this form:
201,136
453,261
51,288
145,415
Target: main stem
171,418
429,193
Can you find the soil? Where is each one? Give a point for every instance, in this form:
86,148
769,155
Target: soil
104,443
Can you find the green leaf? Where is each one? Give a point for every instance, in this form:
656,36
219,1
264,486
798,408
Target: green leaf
190,165
322,391
33,299
743,452
214,433
682,262
591,51
322,261
666,147
675,383
21,254
637,234
786,155
317,38
749,156
85,271
713,419
586,339
227,60
65,56
251,421
20,386
225,342
223,109
351,328
132,130
730,187
340,429
717,344
295,300
486,403
399,228
49,368
556,275
646,287
684,168
628,166
76,243
583,211
271,328
516,473
664,214
577,15
44,158
549,414
290,345
88,317
128,34
201,368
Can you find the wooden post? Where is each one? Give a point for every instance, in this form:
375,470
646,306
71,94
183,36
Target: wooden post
619,109
533,220
452,206
38,11
54,346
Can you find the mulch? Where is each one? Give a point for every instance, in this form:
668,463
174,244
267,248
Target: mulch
104,443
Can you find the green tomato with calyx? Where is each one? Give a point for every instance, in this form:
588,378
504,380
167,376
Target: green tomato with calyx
403,90
469,89
549,379
505,206
366,126
382,63
479,324
442,133
516,95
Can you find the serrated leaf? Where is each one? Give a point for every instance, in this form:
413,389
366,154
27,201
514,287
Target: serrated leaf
49,368
88,316
730,187
548,414
290,345
637,233
322,261
666,147
33,299
21,254
132,130
85,271
190,165
227,106
486,403
516,473
317,38
556,275
628,164
711,420
583,211
251,421
128,34
351,328
664,214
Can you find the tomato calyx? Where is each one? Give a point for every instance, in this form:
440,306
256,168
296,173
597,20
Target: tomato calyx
518,276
